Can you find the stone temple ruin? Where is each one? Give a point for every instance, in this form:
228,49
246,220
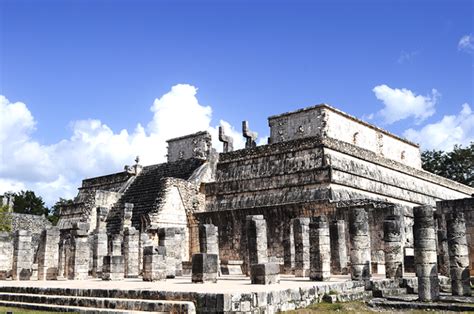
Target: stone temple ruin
331,203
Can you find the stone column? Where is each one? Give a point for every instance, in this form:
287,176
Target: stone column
320,261
79,268
301,238
289,249
113,267
204,267
6,255
393,248
256,240
100,248
425,253
48,254
22,255
442,240
167,239
131,254
458,253
337,232
208,239
360,245
154,264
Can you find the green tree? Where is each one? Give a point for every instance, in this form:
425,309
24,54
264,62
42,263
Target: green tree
5,218
26,202
55,210
457,165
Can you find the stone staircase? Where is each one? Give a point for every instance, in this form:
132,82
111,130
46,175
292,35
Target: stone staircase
385,288
37,300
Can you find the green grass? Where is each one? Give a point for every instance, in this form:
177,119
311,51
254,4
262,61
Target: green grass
16,310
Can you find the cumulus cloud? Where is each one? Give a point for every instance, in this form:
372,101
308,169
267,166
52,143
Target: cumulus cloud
402,103
466,44
444,134
93,148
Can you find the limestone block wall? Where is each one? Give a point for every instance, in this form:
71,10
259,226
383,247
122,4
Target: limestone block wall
466,205
270,175
6,254
33,223
326,121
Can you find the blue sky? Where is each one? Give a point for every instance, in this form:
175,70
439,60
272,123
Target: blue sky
72,61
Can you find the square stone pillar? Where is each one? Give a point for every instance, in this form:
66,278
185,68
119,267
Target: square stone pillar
320,261
154,263
113,267
337,233
204,268
289,249
393,249
22,255
6,255
208,239
100,247
79,268
442,244
167,239
265,274
360,245
256,227
301,239
425,253
48,254
458,253
131,239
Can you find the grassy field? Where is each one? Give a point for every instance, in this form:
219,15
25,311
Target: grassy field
16,310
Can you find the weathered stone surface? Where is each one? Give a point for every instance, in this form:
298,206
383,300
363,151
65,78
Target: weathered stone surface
48,255
204,267
113,267
302,247
22,256
360,244
458,253
393,250
154,263
256,228
265,274
6,255
425,253
320,249
131,252
169,240
339,259
289,249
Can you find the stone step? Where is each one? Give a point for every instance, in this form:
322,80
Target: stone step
390,292
438,306
64,308
386,284
347,296
103,303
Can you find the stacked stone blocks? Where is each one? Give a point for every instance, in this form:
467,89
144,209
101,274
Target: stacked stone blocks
48,254
320,269
458,253
360,254
204,268
393,250
337,232
22,255
302,247
425,253
154,265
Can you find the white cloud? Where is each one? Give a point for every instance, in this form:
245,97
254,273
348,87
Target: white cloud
407,56
402,103
444,134
93,149
466,44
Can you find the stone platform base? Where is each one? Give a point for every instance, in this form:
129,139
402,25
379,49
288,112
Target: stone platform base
230,294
